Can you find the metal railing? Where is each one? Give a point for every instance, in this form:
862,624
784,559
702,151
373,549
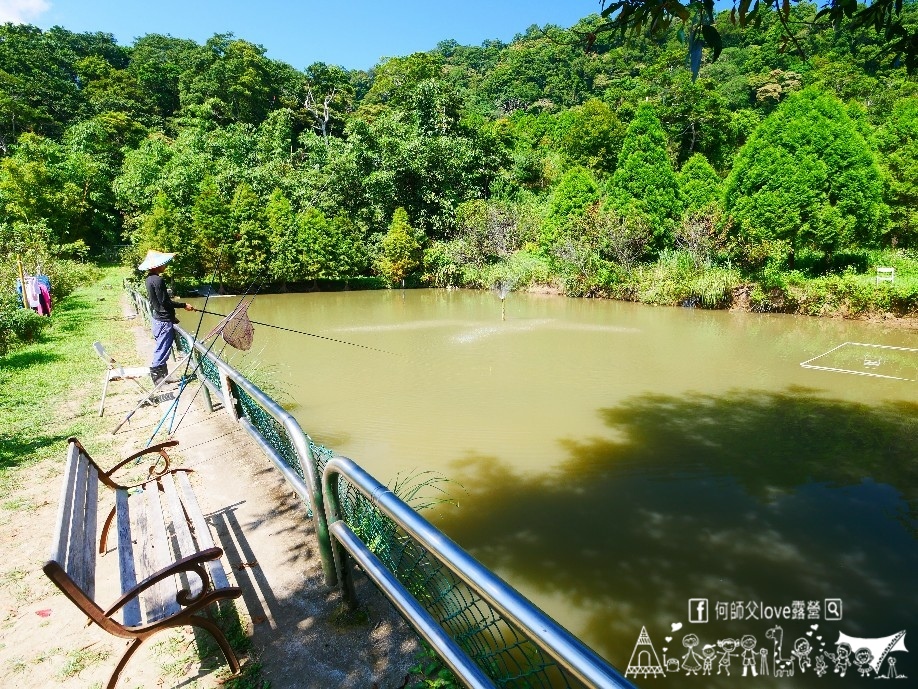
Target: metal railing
485,631
508,638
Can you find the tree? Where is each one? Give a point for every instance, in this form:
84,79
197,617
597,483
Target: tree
701,191
66,186
249,254
806,179
698,23
231,81
576,190
898,144
157,62
644,182
283,262
400,250
212,225
397,77
699,184
329,98
590,135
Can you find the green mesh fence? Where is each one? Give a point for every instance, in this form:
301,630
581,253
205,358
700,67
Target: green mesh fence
207,367
501,650
275,434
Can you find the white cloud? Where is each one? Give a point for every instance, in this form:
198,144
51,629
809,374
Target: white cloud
22,11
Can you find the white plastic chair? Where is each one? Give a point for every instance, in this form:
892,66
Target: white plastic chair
118,372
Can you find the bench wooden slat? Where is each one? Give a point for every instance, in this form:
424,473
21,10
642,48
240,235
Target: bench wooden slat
201,530
182,532
160,598
131,610
76,549
143,563
65,508
92,525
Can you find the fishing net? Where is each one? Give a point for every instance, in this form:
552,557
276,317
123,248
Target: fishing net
236,329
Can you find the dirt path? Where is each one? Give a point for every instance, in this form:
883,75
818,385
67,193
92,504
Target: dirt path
286,610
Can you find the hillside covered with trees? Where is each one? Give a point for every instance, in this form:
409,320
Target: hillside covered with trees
771,181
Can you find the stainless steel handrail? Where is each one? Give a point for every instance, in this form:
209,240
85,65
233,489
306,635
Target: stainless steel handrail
309,491
566,649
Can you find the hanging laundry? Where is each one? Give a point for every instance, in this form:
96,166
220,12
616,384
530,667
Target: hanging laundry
37,292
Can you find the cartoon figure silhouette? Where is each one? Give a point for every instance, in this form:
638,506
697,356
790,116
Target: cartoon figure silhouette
728,648
763,667
862,659
784,667
749,654
820,666
841,658
690,660
672,665
801,652
891,671
708,653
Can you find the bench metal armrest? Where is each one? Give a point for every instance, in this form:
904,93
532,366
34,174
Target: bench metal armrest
192,563
152,472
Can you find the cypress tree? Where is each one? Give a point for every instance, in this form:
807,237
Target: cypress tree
806,179
644,182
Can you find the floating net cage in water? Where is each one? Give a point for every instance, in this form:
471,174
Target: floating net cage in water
872,360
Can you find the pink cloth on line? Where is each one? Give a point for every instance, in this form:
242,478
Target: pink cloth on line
44,300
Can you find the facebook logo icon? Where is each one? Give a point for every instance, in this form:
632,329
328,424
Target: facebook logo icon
698,610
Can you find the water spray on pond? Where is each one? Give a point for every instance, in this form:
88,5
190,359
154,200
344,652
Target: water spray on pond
503,287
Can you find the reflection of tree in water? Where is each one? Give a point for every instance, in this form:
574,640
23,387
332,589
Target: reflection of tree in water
748,496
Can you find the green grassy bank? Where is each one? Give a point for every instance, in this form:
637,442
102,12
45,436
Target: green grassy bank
46,385
846,288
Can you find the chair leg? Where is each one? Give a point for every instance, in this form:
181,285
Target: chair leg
113,680
219,637
104,390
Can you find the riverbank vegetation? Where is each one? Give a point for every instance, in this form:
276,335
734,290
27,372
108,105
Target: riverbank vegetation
771,182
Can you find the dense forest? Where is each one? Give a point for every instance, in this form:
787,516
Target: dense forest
778,178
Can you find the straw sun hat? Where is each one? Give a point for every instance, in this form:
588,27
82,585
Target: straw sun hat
155,259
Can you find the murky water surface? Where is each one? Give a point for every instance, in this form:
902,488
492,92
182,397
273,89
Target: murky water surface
615,461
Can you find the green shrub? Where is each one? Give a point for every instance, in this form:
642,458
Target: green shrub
18,324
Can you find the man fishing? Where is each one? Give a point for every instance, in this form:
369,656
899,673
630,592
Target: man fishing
162,309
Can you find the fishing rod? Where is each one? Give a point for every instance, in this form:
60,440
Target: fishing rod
301,332
174,407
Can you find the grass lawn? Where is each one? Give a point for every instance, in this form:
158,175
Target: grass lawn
43,385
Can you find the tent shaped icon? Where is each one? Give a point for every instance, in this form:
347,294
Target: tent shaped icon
644,660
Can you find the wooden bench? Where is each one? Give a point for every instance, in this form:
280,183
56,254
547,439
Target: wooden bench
169,567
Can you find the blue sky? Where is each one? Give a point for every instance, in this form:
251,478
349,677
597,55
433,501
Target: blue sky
352,33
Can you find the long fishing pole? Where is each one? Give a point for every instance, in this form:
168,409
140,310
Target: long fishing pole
259,279
301,332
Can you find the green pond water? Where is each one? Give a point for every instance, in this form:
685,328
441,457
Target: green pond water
616,462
